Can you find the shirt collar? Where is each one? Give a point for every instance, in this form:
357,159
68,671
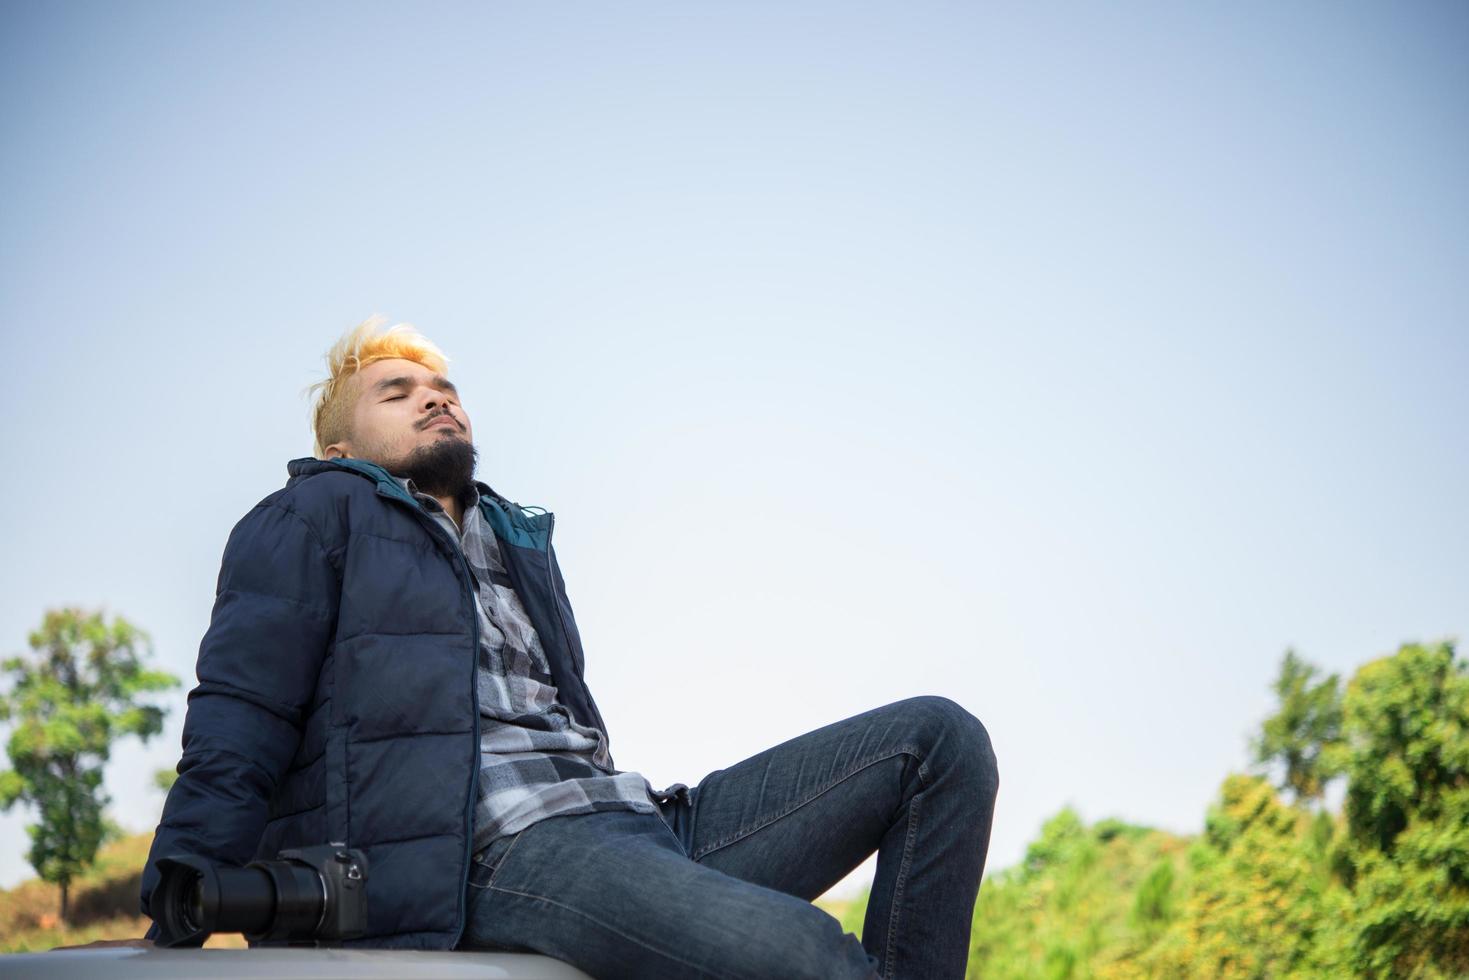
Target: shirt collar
469,498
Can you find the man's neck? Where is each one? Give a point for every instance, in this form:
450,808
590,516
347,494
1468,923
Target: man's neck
454,507
453,504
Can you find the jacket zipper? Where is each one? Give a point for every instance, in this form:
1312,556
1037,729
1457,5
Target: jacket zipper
435,528
475,762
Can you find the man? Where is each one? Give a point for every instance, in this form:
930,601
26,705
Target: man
393,662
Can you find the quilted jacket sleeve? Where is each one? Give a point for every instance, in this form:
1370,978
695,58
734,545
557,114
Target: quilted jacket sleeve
275,611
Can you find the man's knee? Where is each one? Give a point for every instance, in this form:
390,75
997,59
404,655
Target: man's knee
949,730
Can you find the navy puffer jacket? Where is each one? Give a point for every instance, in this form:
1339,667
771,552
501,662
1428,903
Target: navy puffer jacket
336,697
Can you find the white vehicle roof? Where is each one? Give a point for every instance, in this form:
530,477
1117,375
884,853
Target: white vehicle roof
130,963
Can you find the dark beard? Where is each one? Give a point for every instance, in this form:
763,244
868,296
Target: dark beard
444,469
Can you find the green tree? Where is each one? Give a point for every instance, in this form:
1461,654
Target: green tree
1085,904
1260,896
79,691
1275,886
1304,733
1153,906
1405,852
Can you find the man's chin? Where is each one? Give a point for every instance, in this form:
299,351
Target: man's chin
444,467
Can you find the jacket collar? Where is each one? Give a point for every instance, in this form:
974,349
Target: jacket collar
510,520
300,469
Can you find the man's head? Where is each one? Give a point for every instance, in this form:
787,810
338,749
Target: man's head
386,400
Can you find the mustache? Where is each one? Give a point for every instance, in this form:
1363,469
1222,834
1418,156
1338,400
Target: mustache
430,420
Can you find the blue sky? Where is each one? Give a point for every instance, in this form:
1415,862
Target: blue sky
1071,361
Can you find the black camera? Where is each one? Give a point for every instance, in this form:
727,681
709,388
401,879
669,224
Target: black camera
312,895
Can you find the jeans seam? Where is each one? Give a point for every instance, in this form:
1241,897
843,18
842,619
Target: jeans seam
669,827
747,831
889,946
503,858
611,928
486,884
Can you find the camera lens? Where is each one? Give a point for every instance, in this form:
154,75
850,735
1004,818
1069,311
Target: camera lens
307,894
180,903
250,901
194,905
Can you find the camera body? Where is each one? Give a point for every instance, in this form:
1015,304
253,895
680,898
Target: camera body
343,872
311,895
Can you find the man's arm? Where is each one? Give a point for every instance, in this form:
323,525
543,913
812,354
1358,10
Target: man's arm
275,611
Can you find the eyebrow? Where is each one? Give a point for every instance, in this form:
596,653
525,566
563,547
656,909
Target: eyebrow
404,382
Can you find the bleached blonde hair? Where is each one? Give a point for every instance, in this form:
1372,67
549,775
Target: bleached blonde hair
331,417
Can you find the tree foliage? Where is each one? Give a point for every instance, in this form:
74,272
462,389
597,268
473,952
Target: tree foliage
1276,885
1303,734
1258,890
1405,850
81,689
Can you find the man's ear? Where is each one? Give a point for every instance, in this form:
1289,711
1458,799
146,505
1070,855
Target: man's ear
339,450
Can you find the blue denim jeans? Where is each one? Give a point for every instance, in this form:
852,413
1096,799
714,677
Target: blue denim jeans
721,885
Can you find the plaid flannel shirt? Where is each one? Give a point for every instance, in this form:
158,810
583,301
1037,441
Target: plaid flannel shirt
535,760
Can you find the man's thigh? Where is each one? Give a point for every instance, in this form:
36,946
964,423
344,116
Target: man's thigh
614,894
800,816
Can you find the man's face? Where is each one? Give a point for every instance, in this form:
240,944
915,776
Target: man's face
408,420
